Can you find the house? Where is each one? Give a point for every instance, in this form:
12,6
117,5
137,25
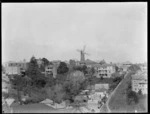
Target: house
51,69
5,83
104,70
99,92
127,63
15,67
143,67
139,82
123,66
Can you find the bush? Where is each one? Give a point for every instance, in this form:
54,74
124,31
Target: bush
117,79
62,68
132,97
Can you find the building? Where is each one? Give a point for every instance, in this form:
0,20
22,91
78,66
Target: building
5,83
139,82
51,69
104,70
127,63
12,68
143,67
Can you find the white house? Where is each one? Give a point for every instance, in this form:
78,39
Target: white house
15,67
51,69
139,82
104,70
5,83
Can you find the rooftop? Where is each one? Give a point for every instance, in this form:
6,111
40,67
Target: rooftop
140,76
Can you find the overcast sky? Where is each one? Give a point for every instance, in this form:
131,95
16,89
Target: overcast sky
116,32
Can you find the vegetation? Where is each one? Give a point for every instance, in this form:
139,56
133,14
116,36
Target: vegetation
119,101
56,93
81,68
132,97
62,68
134,68
102,62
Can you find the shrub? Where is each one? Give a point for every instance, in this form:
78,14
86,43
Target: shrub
132,97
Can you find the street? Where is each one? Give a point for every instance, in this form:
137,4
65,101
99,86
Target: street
108,100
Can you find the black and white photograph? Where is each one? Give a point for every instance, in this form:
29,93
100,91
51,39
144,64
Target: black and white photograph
74,57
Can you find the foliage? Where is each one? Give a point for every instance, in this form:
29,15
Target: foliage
56,93
19,84
76,77
116,74
134,68
132,97
72,62
37,95
62,68
116,68
83,69
33,70
73,85
102,62
45,61
117,79
140,92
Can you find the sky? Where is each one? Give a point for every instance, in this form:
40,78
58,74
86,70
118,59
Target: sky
115,32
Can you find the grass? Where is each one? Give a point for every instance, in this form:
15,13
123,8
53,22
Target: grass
104,109
32,108
118,101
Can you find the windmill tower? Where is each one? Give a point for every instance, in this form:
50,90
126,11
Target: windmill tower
83,53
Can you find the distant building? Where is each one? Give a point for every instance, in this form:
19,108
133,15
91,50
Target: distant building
15,67
139,82
51,69
127,63
143,67
99,92
5,83
104,70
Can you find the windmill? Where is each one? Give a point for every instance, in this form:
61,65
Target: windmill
83,53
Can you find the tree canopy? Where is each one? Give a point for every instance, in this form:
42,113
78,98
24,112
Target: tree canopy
102,62
134,68
62,68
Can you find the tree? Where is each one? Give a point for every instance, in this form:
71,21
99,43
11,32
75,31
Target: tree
140,92
33,70
56,93
117,79
132,97
62,68
72,62
19,84
102,62
134,68
92,70
116,68
73,84
83,69
45,61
